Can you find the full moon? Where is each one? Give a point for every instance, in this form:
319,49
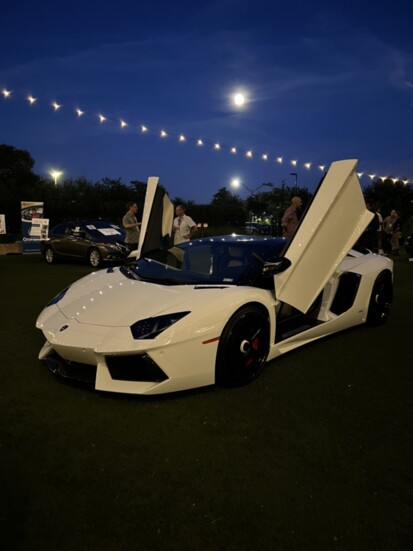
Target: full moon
239,99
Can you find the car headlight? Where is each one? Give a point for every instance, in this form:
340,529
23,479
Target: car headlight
150,328
58,297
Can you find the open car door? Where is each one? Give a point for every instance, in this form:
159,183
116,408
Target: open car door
334,221
157,221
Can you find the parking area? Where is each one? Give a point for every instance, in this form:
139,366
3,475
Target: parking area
315,454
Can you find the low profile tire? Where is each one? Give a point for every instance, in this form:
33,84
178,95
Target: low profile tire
49,255
94,257
381,299
243,347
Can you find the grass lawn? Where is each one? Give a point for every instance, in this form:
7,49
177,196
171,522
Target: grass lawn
315,454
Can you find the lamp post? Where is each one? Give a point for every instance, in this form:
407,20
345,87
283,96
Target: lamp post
55,174
296,177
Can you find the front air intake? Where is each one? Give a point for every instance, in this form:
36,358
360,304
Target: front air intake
139,367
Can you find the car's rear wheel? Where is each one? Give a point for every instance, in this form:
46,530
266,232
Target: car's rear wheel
49,255
381,299
94,257
243,347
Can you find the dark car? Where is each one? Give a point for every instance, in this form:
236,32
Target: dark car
94,241
256,228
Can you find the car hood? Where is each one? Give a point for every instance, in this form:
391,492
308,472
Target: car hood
108,298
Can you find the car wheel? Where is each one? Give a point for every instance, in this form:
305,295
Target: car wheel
381,299
94,257
243,347
49,255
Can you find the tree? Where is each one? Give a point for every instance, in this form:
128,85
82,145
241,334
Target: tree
17,183
227,209
15,165
387,195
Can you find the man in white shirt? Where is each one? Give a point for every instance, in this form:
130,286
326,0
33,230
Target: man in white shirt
184,226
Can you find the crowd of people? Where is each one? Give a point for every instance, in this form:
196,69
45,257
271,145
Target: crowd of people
382,235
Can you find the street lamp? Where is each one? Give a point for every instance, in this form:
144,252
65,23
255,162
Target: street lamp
55,174
296,177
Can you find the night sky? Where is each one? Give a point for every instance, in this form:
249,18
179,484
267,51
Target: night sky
323,81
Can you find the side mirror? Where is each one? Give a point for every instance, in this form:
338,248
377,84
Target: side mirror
272,268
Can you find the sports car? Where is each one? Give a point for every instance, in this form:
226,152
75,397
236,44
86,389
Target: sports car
93,241
217,310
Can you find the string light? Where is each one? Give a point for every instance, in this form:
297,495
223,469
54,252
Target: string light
199,142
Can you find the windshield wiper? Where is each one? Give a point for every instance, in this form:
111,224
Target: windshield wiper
128,272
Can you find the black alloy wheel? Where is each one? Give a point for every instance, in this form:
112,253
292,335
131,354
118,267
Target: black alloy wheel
381,299
243,347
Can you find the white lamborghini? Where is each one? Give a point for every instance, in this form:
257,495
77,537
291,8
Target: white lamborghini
215,310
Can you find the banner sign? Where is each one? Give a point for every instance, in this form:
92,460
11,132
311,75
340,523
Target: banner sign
40,228
2,223
31,212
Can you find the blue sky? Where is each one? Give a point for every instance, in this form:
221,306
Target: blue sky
323,82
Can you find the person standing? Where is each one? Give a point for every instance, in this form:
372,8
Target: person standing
131,225
392,226
289,221
184,226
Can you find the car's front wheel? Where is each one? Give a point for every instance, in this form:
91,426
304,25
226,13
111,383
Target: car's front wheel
381,299
243,347
49,255
94,257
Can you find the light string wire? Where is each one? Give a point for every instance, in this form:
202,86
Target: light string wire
199,142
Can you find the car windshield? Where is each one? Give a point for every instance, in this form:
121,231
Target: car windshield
104,231
225,260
